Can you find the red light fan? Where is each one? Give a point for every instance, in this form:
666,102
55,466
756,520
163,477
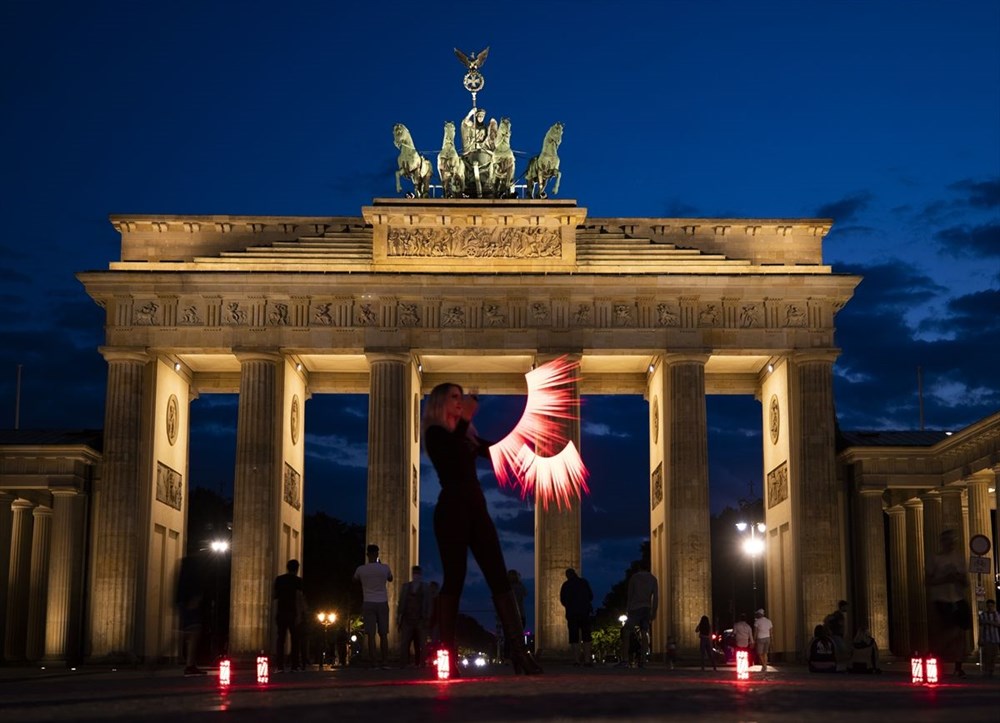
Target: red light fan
562,477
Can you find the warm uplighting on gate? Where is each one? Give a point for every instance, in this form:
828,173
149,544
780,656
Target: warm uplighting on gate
742,665
263,670
225,672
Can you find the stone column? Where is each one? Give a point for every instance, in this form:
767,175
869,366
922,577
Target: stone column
118,527
900,640
558,541
978,487
952,517
817,502
389,469
62,629
256,496
690,587
873,594
932,523
6,525
915,574
19,582
39,585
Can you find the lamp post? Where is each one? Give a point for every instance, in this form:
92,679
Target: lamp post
753,545
326,620
219,549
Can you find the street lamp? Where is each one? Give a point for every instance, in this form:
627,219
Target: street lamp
753,546
326,620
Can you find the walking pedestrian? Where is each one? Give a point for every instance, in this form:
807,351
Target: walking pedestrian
762,628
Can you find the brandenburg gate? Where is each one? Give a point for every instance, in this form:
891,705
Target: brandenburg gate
417,291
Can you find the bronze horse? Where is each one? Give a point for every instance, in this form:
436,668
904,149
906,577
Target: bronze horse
545,165
410,163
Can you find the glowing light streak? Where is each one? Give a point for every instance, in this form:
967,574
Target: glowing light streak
560,478
263,670
742,665
225,672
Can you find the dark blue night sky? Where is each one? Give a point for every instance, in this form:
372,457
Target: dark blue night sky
884,116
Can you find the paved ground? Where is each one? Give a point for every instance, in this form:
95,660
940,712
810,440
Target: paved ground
563,693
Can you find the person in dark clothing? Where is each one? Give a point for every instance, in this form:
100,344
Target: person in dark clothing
577,597
189,599
290,614
704,630
822,657
462,522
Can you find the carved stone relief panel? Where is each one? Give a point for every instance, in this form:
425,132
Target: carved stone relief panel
408,314
172,420
750,315
774,418
494,315
656,419
413,484
709,315
475,242
583,314
623,314
147,313
795,315
190,314
452,315
292,487
293,421
169,486
656,487
667,315
777,485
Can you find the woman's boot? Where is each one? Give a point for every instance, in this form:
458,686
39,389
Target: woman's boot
447,614
510,619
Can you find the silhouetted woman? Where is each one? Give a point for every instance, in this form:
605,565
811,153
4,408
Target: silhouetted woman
462,522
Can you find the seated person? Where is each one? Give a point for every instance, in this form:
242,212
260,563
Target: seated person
864,658
821,657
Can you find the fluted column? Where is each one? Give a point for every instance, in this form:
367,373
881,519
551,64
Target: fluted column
389,467
19,582
932,523
38,587
900,640
686,452
915,574
873,594
952,517
558,542
978,487
6,524
256,496
118,518
62,629
817,501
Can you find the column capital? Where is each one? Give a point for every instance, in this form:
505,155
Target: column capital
373,357
913,503
684,358
984,477
21,504
64,492
120,353
41,511
895,511
266,355
812,356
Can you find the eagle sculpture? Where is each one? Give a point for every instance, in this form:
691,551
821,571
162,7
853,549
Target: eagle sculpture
476,62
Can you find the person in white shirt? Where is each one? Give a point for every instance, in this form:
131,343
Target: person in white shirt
375,606
762,632
743,634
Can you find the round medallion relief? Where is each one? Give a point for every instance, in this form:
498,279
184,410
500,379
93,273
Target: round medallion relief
172,424
774,418
295,419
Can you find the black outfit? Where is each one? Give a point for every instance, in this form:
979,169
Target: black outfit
576,596
287,590
461,519
462,523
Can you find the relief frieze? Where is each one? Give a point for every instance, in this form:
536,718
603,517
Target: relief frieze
453,316
292,487
169,486
777,485
667,315
147,314
494,316
475,242
409,315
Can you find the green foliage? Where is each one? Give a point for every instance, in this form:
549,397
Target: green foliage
606,641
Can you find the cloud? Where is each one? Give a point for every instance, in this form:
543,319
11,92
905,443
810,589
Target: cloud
337,450
971,241
981,194
599,429
845,209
